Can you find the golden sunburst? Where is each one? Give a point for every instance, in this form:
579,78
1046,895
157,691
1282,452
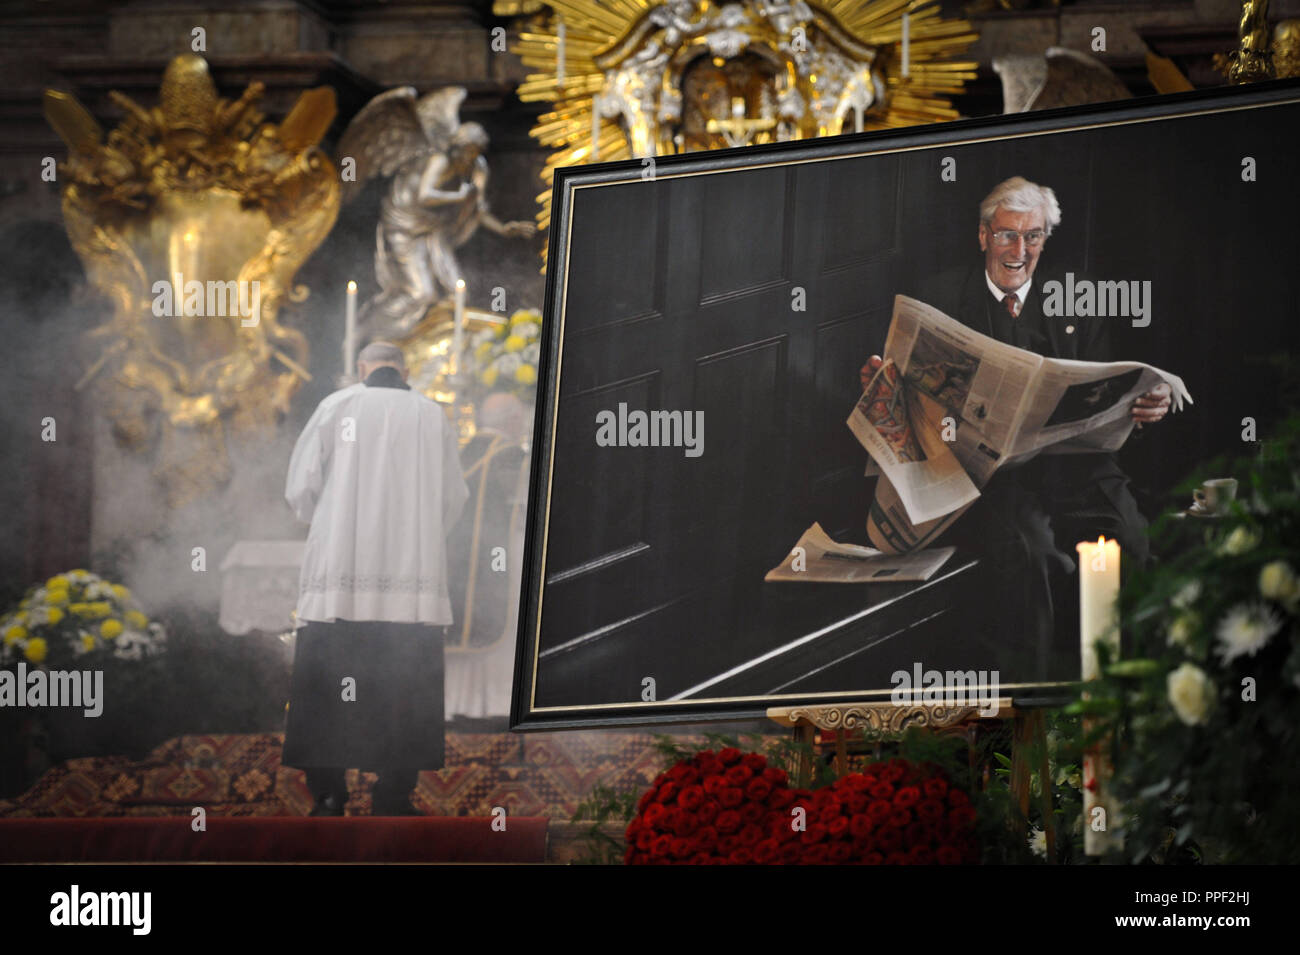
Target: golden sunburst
614,71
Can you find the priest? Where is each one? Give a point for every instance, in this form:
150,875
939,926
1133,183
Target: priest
376,473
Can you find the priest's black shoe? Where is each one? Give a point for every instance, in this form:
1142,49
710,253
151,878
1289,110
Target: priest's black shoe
331,804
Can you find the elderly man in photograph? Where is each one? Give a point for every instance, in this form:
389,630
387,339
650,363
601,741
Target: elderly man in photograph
376,472
1028,518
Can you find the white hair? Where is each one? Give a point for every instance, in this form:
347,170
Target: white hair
1018,194
382,353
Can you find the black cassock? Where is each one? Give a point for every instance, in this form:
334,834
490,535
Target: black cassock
396,720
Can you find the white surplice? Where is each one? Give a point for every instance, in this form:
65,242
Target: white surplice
376,472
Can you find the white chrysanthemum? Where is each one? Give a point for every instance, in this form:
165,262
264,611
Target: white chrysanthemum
531,353
507,364
1038,842
1245,628
1190,693
1239,541
1186,595
526,330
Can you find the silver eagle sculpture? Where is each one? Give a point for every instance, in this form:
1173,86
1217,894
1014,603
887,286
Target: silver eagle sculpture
436,199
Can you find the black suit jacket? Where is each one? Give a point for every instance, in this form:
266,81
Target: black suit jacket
963,294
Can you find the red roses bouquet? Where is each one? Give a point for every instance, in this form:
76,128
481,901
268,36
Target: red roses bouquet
732,808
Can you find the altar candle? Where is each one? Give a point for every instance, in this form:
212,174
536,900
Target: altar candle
559,53
350,332
1098,621
1098,591
458,331
907,43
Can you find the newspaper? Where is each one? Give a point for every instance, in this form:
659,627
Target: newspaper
818,559
950,406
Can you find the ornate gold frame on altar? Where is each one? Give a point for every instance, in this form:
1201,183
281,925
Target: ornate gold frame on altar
192,218
639,78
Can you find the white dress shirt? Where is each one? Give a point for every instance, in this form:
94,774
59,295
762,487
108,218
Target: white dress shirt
1021,293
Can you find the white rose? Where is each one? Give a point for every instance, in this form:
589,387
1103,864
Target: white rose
1277,581
1181,629
1187,594
1190,693
1238,542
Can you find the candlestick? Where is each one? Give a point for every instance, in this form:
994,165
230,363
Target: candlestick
350,333
458,331
1098,622
907,43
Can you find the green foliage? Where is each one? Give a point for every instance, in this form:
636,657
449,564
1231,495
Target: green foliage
605,805
1213,778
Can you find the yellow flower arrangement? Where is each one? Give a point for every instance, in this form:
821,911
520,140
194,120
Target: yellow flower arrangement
490,376
58,621
526,375
514,343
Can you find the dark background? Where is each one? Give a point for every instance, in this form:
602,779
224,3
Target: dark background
679,298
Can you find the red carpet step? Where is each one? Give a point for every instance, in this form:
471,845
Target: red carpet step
274,839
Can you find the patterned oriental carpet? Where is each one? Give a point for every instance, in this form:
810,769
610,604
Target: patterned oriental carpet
544,774
108,808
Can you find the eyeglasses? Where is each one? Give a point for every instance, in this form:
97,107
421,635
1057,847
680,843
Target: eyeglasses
1033,238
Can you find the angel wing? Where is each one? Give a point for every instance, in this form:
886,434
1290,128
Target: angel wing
385,135
439,112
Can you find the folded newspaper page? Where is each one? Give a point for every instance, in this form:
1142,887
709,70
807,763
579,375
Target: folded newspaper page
950,406
818,559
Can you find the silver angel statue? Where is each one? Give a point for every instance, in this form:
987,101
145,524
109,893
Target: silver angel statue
435,202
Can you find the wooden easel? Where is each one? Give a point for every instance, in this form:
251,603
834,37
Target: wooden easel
1029,727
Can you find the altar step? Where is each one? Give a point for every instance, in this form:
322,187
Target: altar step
276,839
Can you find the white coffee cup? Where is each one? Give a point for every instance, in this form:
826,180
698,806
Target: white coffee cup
1216,494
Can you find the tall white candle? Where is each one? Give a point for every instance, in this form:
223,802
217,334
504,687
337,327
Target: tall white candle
458,330
907,44
1098,621
350,333
1098,591
559,52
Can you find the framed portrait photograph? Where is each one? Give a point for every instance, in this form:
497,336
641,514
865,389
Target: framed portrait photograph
816,420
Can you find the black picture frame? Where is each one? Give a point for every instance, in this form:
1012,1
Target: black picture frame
1229,124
